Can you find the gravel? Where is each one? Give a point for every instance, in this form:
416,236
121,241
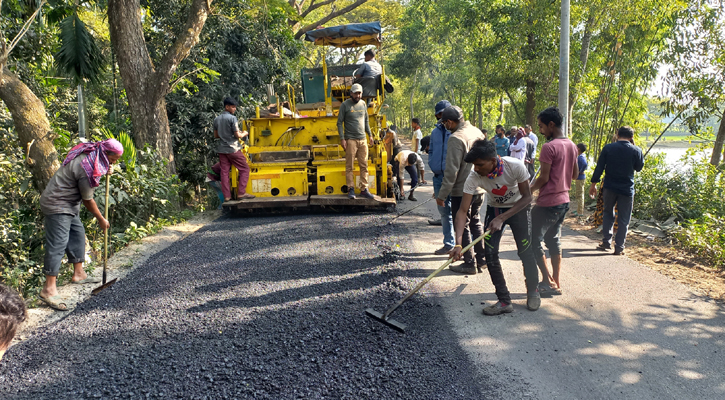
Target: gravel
261,307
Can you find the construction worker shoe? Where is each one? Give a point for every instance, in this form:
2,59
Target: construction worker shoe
435,222
411,197
443,250
533,301
481,266
351,194
618,252
463,268
498,309
246,196
366,194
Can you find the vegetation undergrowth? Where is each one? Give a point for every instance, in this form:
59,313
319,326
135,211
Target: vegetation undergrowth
693,193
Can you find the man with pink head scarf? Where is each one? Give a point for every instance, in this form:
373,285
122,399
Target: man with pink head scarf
73,184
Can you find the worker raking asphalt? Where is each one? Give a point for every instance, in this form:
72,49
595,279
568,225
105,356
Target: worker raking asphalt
268,307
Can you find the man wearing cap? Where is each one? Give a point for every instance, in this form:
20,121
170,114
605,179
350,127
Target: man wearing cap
352,125
456,171
437,162
226,129
370,67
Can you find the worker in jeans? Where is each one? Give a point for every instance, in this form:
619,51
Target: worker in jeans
463,134
619,160
506,182
437,163
226,129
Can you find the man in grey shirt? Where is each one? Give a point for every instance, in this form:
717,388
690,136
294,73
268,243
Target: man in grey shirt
463,134
61,201
226,129
370,67
352,125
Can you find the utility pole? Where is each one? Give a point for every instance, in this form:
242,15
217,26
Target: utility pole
564,65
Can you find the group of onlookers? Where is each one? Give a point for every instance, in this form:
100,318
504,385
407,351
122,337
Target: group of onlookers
469,169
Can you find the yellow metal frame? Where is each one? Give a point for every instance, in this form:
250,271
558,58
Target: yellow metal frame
286,141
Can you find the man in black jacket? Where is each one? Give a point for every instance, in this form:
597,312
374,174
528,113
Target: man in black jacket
619,161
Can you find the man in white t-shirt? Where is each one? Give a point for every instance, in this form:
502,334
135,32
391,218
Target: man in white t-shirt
506,182
417,135
406,160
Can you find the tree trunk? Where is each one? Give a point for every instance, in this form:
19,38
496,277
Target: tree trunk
530,111
717,150
32,126
500,109
479,111
146,86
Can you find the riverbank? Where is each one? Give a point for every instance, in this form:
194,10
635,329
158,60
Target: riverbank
662,256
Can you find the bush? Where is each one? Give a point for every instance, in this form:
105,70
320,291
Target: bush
694,193
704,237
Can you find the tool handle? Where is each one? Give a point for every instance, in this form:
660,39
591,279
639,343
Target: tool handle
105,232
432,275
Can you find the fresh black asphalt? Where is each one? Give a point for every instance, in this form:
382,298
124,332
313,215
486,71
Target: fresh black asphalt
266,307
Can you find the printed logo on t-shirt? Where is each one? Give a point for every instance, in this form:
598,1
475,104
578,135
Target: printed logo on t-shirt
502,194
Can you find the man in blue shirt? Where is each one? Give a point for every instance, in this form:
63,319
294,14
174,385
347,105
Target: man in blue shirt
437,161
502,142
581,162
619,160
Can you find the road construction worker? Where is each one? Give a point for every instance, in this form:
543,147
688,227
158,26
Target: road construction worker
409,161
226,129
463,134
506,182
370,67
60,202
352,125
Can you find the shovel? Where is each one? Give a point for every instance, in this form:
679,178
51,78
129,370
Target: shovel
399,326
105,243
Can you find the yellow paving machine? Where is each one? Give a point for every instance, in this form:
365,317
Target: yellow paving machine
294,152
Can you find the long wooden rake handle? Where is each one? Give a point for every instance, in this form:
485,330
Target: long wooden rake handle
432,275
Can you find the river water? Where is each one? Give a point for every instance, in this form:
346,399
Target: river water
674,154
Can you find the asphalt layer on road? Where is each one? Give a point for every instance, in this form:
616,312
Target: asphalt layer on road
268,307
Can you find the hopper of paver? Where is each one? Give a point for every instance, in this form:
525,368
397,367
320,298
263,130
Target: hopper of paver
295,159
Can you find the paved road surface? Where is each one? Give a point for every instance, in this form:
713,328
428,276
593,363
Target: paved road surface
268,308
272,308
619,331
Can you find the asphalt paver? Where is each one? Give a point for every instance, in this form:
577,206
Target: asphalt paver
265,307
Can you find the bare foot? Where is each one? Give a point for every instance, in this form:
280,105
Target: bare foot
79,277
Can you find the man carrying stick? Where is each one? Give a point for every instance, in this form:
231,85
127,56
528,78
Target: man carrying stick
506,182
60,202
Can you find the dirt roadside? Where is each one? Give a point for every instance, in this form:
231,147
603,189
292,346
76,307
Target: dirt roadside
663,257
119,265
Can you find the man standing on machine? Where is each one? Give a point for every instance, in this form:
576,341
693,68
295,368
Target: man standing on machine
352,125
226,129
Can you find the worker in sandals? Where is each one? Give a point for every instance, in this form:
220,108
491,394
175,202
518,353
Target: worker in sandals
60,202
506,182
